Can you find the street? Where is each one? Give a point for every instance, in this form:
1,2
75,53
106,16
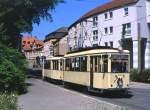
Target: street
46,96
138,99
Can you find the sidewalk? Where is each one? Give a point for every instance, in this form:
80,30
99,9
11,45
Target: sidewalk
46,96
140,85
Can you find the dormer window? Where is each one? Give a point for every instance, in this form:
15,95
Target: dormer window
126,11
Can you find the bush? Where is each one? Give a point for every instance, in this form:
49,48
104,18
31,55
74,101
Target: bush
134,75
12,70
8,101
143,76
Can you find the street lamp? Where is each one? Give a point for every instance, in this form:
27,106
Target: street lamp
43,58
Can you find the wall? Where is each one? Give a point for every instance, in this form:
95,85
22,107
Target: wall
117,21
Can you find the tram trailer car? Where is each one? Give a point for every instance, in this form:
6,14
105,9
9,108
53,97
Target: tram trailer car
100,69
54,69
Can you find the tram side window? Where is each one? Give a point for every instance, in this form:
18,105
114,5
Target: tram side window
72,64
77,63
67,63
99,64
47,64
83,64
96,64
55,65
61,64
105,63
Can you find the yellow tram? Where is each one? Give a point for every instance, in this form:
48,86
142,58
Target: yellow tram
101,69
54,68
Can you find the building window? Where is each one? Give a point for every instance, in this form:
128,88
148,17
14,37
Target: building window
106,44
106,31
95,35
86,34
126,29
111,30
126,11
95,21
106,17
95,45
111,14
111,44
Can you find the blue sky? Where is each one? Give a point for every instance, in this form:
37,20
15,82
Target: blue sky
64,15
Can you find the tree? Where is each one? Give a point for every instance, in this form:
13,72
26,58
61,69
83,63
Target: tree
17,16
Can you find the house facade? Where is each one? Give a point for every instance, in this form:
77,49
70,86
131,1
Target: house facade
32,48
119,23
60,46
55,43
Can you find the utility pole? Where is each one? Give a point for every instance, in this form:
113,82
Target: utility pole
139,49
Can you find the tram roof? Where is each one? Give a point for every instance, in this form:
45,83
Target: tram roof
54,58
91,51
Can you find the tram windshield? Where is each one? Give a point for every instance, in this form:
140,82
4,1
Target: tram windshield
119,64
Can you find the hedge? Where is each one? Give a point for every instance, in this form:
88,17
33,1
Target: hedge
143,76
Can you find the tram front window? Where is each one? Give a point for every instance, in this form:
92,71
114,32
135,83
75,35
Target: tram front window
119,64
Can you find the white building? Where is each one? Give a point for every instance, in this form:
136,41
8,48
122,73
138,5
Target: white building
107,25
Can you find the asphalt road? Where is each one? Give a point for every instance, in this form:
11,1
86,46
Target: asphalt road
45,96
42,94
138,98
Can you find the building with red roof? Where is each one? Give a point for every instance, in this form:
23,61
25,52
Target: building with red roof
32,48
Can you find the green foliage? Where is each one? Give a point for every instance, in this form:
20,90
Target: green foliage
134,75
17,16
8,101
12,70
143,76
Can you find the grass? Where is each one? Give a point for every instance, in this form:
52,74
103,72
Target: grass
8,101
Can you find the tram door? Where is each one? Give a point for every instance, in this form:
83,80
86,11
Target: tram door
91,71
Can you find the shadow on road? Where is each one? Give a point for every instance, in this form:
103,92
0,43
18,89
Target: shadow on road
34,73
105,94
37,74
